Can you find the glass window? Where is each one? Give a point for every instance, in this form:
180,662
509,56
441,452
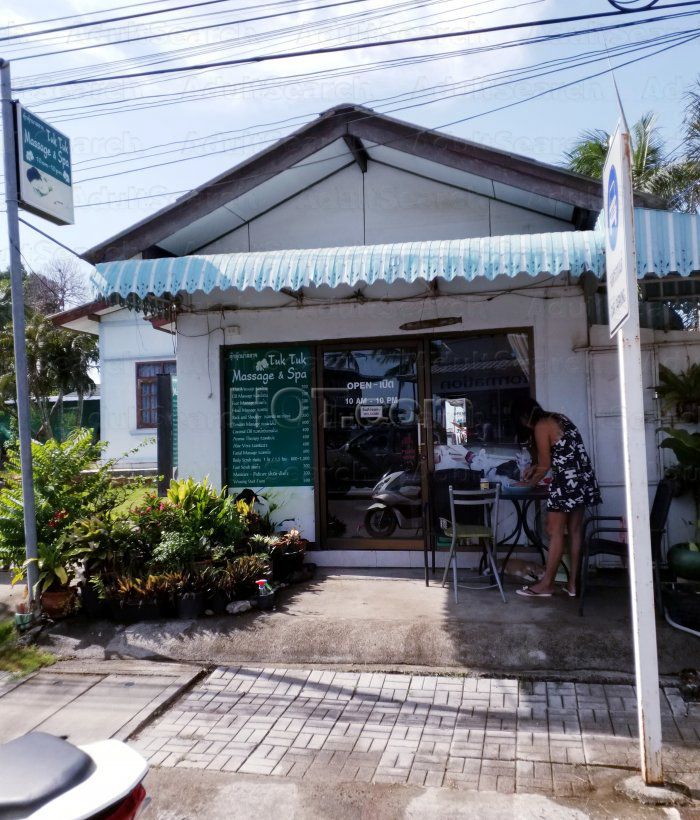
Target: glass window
370,432
147,391
474,382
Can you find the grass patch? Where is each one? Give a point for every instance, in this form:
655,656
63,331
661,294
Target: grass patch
135,498
17,659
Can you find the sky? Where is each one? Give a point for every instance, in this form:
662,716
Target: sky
211,120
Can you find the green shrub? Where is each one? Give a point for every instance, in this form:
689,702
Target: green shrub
70,483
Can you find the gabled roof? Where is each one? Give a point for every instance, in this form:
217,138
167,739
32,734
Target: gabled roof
340,137
84,318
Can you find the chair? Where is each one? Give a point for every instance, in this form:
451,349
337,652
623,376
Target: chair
593,544
485,532
437,506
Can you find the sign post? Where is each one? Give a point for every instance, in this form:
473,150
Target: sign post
18,328
621,267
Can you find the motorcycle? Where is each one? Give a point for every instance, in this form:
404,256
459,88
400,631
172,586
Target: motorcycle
47,778
397,503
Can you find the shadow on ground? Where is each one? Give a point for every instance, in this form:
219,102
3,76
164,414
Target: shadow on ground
389,618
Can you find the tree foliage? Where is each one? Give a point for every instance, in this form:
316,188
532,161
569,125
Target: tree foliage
675,181
59,361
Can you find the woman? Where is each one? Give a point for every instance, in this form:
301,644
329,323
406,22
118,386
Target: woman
559,447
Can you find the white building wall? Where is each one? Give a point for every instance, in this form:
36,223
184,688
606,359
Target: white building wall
125,339
383,205
676,350
558,325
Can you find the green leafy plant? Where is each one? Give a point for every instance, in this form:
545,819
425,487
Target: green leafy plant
178,551
70,483
680,392
245,570
56,566
686,448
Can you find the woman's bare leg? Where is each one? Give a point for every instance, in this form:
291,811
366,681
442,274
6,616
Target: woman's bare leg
575,524
556,524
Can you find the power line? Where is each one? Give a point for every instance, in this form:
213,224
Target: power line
189,29
164,56
603,54
407,97
84,14
116,106
136,16
201,49
506,106
350,47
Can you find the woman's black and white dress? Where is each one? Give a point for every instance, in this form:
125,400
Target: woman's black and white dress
573,480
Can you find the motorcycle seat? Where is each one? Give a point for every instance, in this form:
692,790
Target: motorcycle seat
35,768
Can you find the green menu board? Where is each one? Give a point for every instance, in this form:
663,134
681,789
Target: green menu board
269,440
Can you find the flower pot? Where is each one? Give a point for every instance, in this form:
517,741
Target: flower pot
190,605
684,562
57,603
93,606
166,605
216,602
266,600
131,612
285,563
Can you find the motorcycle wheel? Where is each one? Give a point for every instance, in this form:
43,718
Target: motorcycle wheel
380,523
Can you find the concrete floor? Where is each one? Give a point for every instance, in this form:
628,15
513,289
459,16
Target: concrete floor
180,794
389,619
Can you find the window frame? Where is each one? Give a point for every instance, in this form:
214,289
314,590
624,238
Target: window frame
141,380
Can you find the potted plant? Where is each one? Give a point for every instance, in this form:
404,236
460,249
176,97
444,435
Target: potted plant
680,392
56,567
214,583
684,558
287,554
134,599
190,596
244,571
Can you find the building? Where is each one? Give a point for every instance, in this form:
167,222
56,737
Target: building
367,297
132,353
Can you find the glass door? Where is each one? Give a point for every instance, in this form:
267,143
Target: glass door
372,445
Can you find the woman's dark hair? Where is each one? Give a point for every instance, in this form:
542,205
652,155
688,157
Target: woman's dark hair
525,407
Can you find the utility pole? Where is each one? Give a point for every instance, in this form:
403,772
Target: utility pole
18,329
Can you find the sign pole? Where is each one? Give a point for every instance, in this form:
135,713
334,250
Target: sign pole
621,271
18,328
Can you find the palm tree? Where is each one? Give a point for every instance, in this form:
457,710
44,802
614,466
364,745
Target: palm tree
675,182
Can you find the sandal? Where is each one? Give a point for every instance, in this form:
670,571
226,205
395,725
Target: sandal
568,592
528,592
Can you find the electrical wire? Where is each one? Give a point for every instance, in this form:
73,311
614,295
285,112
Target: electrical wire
345,48
137,16
82,112
438,89
190,29
461,120
83,14
219,90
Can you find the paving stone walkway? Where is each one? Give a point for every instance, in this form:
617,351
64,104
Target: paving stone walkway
469,733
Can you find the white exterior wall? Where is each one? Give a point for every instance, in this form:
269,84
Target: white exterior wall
388,205
125,339
675,349
558,326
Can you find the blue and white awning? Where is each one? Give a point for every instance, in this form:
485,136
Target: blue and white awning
666,243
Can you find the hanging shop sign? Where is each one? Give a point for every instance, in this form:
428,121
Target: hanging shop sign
43,168
269,428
